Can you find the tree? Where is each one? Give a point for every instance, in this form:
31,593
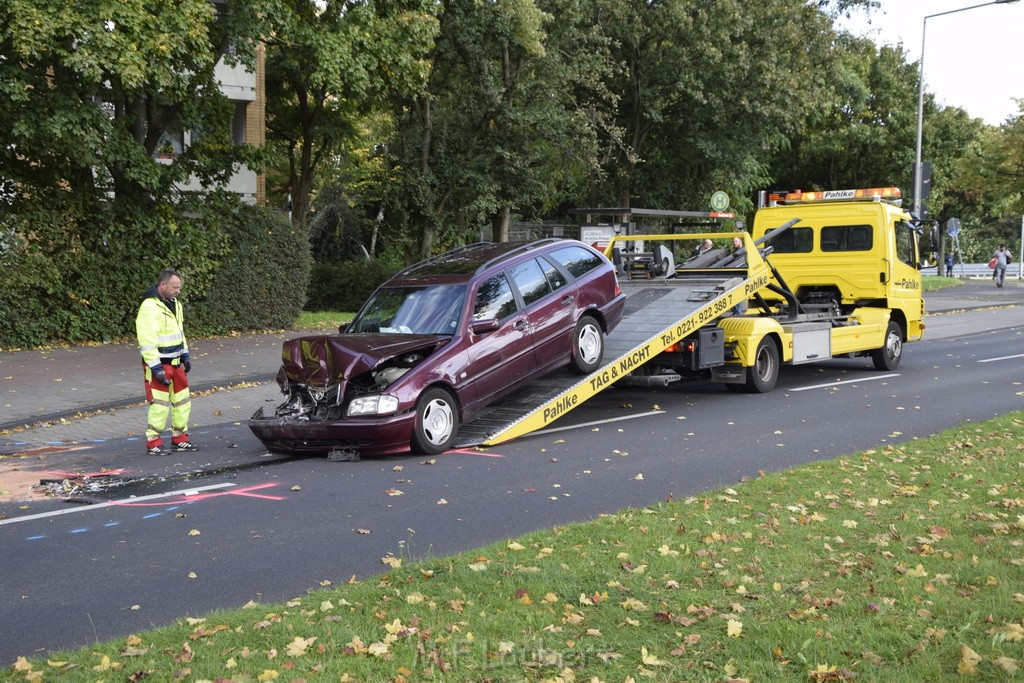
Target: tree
862,133
709,91
988,182
89,92
330,64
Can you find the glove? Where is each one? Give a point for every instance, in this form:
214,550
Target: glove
186,362
157,372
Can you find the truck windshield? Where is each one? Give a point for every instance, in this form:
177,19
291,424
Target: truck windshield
411,310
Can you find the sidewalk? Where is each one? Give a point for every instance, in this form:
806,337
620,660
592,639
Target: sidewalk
56,398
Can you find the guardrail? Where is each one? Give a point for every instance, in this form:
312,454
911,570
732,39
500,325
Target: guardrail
975,271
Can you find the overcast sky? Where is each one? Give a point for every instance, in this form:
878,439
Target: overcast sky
973,59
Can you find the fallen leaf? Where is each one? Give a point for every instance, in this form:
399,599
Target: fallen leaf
649,659
969,660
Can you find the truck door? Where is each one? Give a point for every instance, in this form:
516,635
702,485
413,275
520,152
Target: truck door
904,277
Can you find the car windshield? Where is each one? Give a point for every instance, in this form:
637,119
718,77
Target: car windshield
412,310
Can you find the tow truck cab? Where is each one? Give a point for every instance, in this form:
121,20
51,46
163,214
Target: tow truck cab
850,249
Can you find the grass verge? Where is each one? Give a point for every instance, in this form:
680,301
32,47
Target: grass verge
904,563
934,283
322,320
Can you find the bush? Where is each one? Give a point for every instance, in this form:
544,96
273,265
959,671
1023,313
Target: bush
260,282
345,286
77,274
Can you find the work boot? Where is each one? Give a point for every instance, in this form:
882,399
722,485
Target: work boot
185,446
157,450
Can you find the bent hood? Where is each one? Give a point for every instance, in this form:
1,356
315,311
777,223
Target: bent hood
320,361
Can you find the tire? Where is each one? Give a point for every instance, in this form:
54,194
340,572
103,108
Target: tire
888,357
587,346
437,422
762,376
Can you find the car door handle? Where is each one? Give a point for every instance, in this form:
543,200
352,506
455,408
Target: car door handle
520,325
568,299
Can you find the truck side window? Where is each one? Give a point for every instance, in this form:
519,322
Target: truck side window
847,238
905,241
793,241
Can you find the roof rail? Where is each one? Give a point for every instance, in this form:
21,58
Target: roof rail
435,259
526,247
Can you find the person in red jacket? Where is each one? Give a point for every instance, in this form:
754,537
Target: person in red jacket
159,327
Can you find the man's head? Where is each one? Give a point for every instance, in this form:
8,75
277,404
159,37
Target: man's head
1002,246
168,283
707,244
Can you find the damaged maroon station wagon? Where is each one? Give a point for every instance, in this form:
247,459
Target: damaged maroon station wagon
438,342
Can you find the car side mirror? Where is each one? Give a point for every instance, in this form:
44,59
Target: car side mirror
484,326
342,327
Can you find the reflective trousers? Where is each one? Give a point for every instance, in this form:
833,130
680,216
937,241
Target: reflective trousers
163,399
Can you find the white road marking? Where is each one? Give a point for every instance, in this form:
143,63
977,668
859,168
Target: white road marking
598,422
991,360
849,381
112,503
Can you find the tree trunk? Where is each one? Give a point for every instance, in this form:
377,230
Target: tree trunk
499,224
428,230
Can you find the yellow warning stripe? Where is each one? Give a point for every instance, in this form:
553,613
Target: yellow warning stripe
604,377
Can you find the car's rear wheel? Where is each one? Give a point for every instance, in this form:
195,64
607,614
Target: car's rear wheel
437,421
587,345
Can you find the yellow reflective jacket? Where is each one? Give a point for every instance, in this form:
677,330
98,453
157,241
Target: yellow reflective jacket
160,331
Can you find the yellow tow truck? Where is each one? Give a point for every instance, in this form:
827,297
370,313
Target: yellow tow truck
845,282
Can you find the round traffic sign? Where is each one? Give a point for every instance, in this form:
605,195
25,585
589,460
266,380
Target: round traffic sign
953,227
719,201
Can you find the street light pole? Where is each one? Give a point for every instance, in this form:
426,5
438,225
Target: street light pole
918,184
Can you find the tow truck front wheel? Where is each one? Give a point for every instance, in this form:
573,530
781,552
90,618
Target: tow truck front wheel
764,373
888,357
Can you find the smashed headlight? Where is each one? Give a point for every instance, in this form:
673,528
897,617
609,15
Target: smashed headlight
378,404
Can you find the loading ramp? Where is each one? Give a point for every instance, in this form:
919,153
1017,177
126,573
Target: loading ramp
660,311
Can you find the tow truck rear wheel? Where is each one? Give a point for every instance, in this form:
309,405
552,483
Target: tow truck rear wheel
888,357
587,345
764,373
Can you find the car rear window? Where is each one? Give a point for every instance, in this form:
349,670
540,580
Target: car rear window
576,260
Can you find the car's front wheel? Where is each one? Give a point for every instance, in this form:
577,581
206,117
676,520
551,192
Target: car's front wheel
587,345
437,421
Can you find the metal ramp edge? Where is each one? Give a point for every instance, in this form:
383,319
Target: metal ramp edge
706,301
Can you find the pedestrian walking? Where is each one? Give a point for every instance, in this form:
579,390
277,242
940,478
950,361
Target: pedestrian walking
1001,257
949,264
160,329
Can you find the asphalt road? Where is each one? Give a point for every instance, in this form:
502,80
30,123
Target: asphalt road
269,529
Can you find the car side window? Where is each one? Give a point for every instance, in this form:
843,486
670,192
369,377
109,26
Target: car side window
555,277
576,260
494,299
530,281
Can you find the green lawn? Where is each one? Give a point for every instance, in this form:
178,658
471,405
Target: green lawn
933,283
902,563
322,320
